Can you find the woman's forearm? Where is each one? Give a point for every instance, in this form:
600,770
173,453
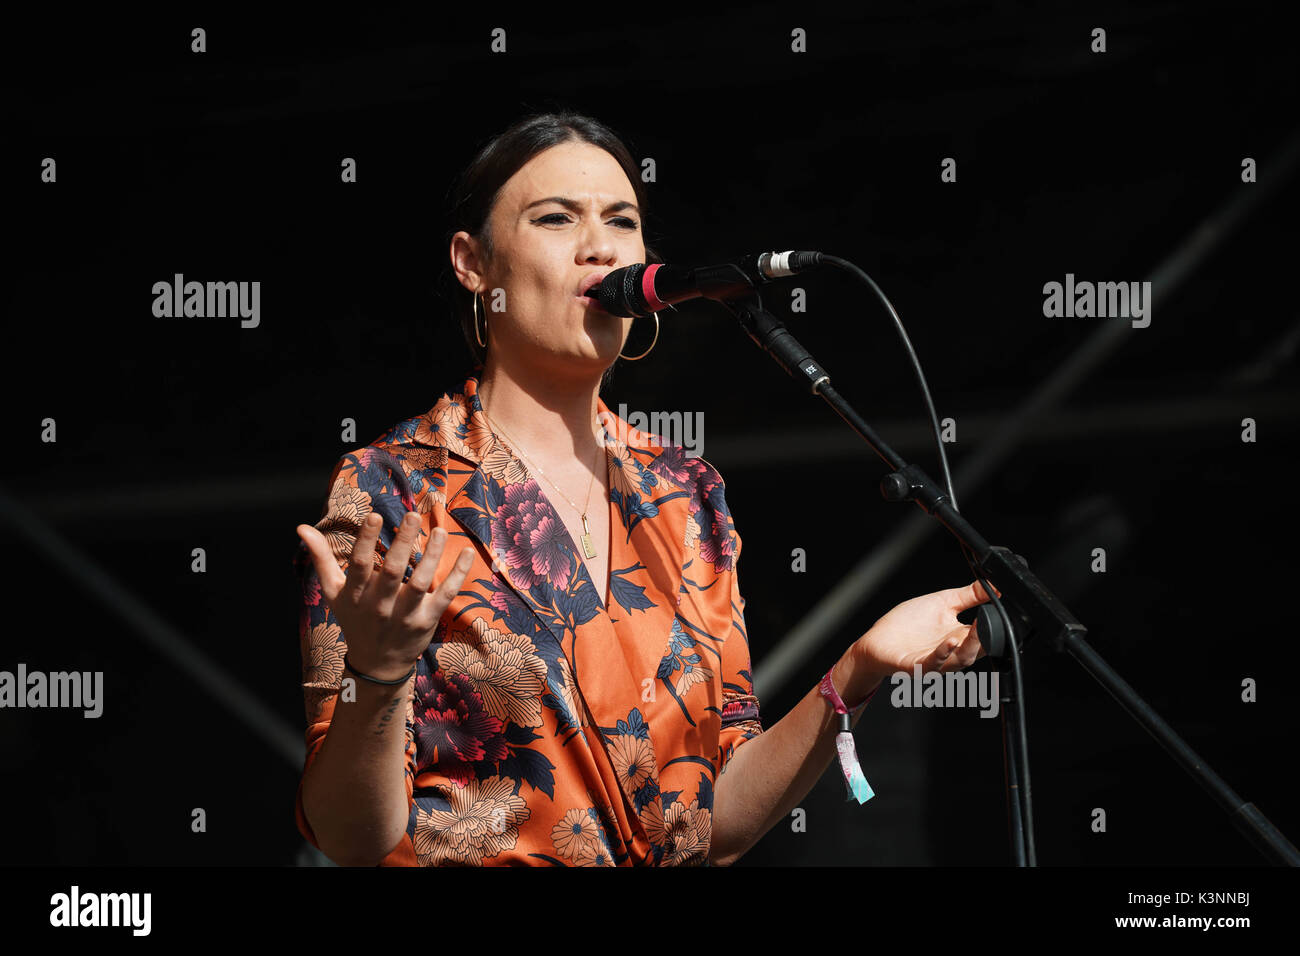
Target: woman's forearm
768,775
354,792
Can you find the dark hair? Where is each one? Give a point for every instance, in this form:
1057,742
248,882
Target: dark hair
476,190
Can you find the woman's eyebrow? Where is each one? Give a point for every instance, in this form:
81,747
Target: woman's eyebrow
574,206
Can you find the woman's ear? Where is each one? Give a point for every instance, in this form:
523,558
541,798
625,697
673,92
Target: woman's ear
466,260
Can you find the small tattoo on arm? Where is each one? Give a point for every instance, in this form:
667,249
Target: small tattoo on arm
387,717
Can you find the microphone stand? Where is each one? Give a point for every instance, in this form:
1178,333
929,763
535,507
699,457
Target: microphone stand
1035,608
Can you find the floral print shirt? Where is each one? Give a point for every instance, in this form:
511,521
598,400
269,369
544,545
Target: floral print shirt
543,725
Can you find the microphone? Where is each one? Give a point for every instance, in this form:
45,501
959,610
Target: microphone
640,289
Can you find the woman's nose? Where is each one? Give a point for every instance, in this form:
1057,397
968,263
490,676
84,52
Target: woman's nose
596,245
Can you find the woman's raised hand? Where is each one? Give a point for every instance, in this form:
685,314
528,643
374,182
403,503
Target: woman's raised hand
387,624
924,630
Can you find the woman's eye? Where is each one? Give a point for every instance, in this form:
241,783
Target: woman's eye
557,218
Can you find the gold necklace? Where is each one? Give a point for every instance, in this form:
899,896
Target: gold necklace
587,547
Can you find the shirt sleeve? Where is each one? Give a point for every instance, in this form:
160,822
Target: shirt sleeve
740,718
362,481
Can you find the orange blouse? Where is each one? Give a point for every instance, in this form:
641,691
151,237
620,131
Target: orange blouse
542,726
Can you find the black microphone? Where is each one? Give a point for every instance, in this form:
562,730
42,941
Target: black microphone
640,289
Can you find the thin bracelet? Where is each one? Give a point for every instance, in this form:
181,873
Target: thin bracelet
376,680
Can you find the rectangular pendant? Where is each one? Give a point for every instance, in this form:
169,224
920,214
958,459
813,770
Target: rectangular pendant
586,546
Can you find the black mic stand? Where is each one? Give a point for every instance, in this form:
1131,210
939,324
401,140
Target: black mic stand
1035,608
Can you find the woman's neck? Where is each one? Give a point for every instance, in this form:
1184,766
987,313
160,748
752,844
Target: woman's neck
550,418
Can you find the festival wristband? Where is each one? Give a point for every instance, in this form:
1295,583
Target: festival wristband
848,753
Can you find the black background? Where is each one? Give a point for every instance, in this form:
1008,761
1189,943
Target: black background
176,434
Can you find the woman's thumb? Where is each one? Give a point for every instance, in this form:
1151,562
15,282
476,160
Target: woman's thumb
313,542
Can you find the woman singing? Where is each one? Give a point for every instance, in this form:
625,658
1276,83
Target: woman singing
522,630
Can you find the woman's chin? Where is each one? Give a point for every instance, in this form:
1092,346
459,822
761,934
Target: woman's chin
588,358
604,344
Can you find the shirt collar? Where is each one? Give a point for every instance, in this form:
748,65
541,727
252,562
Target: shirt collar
457,423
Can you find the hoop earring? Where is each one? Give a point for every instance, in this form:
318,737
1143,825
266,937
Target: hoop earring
652,343
474,308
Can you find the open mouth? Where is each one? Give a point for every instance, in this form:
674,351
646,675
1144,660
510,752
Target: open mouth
589,290
590,283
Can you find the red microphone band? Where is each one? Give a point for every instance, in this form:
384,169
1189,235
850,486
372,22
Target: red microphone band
648,288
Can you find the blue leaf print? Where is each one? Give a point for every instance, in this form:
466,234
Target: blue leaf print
632,509
635,725
706,792
519,735
630,597
531,766
578,605
475,520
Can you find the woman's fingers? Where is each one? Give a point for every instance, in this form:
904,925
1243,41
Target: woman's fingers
422,577
389,579
969,650
361,560
973,595
327,569
411,597
443,594
958,649
421,607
